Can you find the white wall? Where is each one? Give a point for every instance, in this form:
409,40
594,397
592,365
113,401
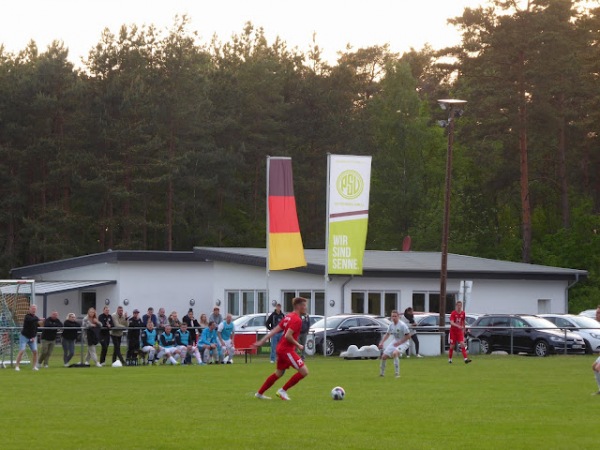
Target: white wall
166,284
172,284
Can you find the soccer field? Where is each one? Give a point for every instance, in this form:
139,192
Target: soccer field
495,402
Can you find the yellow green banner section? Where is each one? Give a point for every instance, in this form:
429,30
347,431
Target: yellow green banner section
347,240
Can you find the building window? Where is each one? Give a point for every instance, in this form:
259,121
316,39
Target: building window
543,306
233,303
391,303
316,301
358,303
374,302
247,302
263,304
418,301
430,301
374,299
88,300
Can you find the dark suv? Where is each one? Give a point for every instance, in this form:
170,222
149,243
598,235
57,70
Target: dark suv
515,333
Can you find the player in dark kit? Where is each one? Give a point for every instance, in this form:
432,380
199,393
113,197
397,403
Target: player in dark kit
286,351
457,332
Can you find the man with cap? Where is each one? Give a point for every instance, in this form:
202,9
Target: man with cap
133,337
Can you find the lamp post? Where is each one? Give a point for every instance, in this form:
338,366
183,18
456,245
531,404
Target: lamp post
453,107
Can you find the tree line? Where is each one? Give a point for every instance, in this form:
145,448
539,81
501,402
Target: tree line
160,142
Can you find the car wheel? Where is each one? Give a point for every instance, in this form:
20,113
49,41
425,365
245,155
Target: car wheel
485,346
541,348
588,348
329,347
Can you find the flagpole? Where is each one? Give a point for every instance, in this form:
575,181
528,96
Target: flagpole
326,276
267,272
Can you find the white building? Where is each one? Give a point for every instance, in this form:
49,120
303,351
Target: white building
236,280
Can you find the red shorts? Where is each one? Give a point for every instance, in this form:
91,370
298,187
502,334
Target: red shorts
285,360
457,337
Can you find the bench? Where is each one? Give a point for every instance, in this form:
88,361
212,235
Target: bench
243,345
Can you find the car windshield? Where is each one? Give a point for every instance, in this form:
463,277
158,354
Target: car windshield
332,322
585,322
538,322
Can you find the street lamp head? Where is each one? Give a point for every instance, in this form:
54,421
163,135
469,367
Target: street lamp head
447,103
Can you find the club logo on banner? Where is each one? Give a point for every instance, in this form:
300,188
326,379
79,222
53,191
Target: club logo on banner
348,215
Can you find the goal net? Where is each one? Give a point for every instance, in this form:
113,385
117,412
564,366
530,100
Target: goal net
15,298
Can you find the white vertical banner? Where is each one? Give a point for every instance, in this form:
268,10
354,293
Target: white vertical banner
348,188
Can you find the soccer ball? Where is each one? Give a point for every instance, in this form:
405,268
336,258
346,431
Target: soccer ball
338,393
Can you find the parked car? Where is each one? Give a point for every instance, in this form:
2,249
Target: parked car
251,323
516,333
257,322
591,313
588,329
348,329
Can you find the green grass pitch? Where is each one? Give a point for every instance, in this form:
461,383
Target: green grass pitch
508,402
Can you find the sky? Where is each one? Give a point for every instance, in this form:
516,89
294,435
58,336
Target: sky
78,23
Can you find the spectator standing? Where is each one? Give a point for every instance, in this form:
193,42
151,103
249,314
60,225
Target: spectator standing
286,351
272,321
51,326
208,343
225,333
135,325
598,313
28,337
193,325
69,336
107,324
304,332
203,323
150,316
161,320
409,319
120,321
92,332
216,316
174,321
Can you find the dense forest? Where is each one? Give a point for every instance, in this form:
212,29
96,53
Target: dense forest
159,142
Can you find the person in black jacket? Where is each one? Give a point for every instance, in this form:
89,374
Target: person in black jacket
51,327
133,337
193,325
107,323
70,330
272,321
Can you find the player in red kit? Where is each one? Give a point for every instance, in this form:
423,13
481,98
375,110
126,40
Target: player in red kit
457,332
286,351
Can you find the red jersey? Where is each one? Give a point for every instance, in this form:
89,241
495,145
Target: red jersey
290,322
459,318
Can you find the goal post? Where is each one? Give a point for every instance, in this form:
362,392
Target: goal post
16,296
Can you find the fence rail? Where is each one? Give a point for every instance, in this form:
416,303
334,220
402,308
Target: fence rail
9,339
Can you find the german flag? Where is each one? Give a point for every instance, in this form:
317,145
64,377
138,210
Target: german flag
285,243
